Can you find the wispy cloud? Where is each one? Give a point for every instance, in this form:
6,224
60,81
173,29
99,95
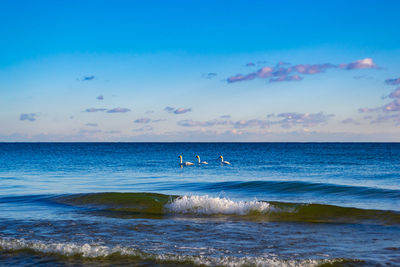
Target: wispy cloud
313,69
100,97
359,77
142,120
391,110
240,77
250,64
182,110
251,123
169,109
86,78
281,72
350,121
236,124
290,119
191,123
158,120
286,78
285,120
387,117
366,63
89,132
118,110
209,75
112,132
367,110
95,109
392,106
28,117
143,129
394,81
177,110
395,93
91,124
225,116
114,110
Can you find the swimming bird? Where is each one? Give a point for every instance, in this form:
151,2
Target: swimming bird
186,163
201,162
224,162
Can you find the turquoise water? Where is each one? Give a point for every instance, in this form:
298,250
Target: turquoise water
295,204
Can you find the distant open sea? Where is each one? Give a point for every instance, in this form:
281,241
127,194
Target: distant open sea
276,204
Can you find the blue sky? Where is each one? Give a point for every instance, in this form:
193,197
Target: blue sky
199,71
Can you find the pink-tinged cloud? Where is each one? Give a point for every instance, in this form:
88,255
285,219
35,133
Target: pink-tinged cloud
389,107
350,121
395,93
282,73
264,72
182,110
391,110
304,119
118,110
387,117
286,78
313,69
240,77
95,109
210,123
392,106
366,63
142,120
285,120
251,123
28,117
236,124
394,81
367,110
177,110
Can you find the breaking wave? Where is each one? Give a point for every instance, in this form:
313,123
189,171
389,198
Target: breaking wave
215,205
116,253
152,205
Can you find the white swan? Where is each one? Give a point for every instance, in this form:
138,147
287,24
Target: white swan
224,162
186,163
201,162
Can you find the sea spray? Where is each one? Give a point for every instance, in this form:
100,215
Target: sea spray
114,253
215,205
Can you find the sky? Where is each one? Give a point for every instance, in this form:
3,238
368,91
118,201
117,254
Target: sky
207,71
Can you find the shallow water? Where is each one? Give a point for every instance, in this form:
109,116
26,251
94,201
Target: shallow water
294,204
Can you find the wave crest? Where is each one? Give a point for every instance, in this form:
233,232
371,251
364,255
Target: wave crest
215,205
118,252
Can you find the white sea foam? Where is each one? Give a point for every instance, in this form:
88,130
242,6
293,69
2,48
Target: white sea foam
94,251
215,205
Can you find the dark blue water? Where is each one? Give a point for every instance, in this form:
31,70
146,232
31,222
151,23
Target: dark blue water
275,204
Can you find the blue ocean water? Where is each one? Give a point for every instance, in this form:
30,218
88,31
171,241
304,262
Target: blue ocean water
294,204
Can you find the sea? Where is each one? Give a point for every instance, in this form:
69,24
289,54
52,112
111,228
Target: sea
134,204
